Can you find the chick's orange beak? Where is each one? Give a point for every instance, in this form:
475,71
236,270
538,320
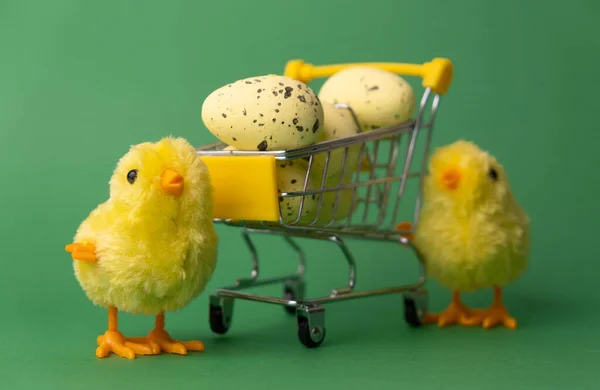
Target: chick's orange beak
451,178
171,182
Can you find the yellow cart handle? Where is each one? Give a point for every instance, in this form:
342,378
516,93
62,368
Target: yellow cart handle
436,74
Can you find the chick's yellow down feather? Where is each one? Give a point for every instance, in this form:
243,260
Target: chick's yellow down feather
151,247
472,232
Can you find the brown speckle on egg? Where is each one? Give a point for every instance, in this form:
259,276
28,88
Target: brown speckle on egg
316,126
293,181
259,90
275,93
224,115
279,104
261,124
248,82
277,110
299,128
288,92
281,84
302,98
233,138
254,121
373,88
261,115
244,112
262,146
295,121
274,120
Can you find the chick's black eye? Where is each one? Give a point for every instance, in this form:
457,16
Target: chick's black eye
132,175
493,174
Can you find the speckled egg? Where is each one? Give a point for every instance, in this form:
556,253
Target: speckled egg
338,123
264,113
344,205
379,98
291,176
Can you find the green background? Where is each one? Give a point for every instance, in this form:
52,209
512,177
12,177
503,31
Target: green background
81,81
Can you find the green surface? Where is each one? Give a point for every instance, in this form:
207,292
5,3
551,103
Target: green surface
80,81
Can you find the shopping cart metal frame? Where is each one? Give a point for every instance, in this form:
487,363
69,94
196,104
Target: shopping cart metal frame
310,312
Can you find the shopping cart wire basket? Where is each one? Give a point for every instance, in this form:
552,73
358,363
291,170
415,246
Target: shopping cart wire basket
364,201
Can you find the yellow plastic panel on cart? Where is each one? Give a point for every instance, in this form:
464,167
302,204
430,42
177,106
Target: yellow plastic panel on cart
245,187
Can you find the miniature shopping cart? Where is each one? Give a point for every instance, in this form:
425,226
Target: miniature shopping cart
246,196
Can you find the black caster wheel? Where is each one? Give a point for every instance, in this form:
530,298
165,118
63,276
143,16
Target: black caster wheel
293,291
415,307
220,311
311,326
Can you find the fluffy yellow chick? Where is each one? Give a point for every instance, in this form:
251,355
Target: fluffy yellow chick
472,232
151,248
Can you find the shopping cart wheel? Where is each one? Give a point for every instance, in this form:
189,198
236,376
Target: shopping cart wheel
311,325
415,307
293,290
221,310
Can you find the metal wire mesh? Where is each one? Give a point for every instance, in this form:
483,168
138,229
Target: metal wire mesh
369,193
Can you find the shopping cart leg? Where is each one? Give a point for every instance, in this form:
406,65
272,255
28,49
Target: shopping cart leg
311,316
415,301
351,267
293,288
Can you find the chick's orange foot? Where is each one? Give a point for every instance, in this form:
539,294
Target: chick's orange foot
160,337
114,342
170,345
450,316
495,315
456,313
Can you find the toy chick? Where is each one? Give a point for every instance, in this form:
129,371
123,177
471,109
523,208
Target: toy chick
472,232
151,247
